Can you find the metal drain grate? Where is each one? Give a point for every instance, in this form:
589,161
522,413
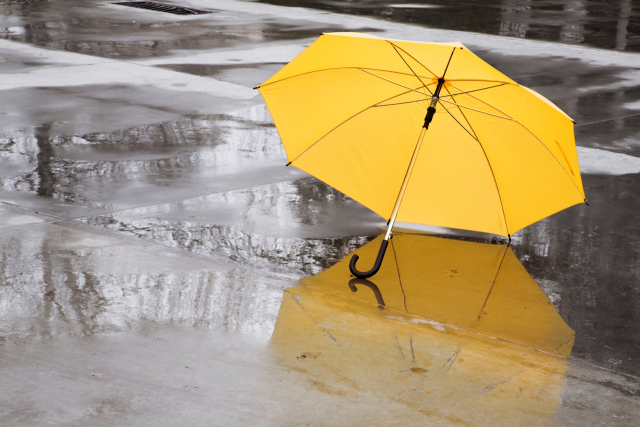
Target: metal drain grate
163,7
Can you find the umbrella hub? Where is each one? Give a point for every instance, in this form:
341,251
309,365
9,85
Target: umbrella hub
434,100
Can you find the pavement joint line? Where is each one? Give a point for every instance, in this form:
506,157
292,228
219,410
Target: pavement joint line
608,120
23,226
604,368
106,60
32,211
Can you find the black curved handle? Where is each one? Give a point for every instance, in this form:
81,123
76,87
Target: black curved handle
376,266
370,285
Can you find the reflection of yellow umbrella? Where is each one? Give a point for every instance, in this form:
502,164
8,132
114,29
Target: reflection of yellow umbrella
353,110
475,286
378,345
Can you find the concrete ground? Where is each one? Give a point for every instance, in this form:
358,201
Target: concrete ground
160,266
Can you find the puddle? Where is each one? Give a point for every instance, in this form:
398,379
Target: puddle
62,282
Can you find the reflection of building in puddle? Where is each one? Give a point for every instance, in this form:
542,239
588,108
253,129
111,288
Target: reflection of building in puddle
573,31
622,30
525,17
73,167
375,337
284,254
300,226
59,281
515,18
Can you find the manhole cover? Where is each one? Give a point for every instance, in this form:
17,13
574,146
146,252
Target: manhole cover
163,7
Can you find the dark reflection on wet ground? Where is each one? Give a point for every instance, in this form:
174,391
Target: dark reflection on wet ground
604,24
587,259
68,165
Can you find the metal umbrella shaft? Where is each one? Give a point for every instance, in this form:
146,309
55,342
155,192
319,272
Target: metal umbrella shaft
383,247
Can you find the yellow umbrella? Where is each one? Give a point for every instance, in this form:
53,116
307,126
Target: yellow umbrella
353,111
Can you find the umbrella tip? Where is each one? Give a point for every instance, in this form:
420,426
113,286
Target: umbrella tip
585,201
288,164
256,87
322,34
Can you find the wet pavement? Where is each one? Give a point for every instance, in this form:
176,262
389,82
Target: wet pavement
157,256
603,24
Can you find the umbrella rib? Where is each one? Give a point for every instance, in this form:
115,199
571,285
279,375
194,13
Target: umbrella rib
393,248
407,64
411,56
345,121
473,109
400,103
537,137
329,69
449,62
495,181
469,91
461,125
391,81
410,102
480,80
494,282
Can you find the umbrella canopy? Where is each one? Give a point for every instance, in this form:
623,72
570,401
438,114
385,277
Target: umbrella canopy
357,112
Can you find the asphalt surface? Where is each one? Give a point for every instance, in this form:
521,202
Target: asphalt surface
147,224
